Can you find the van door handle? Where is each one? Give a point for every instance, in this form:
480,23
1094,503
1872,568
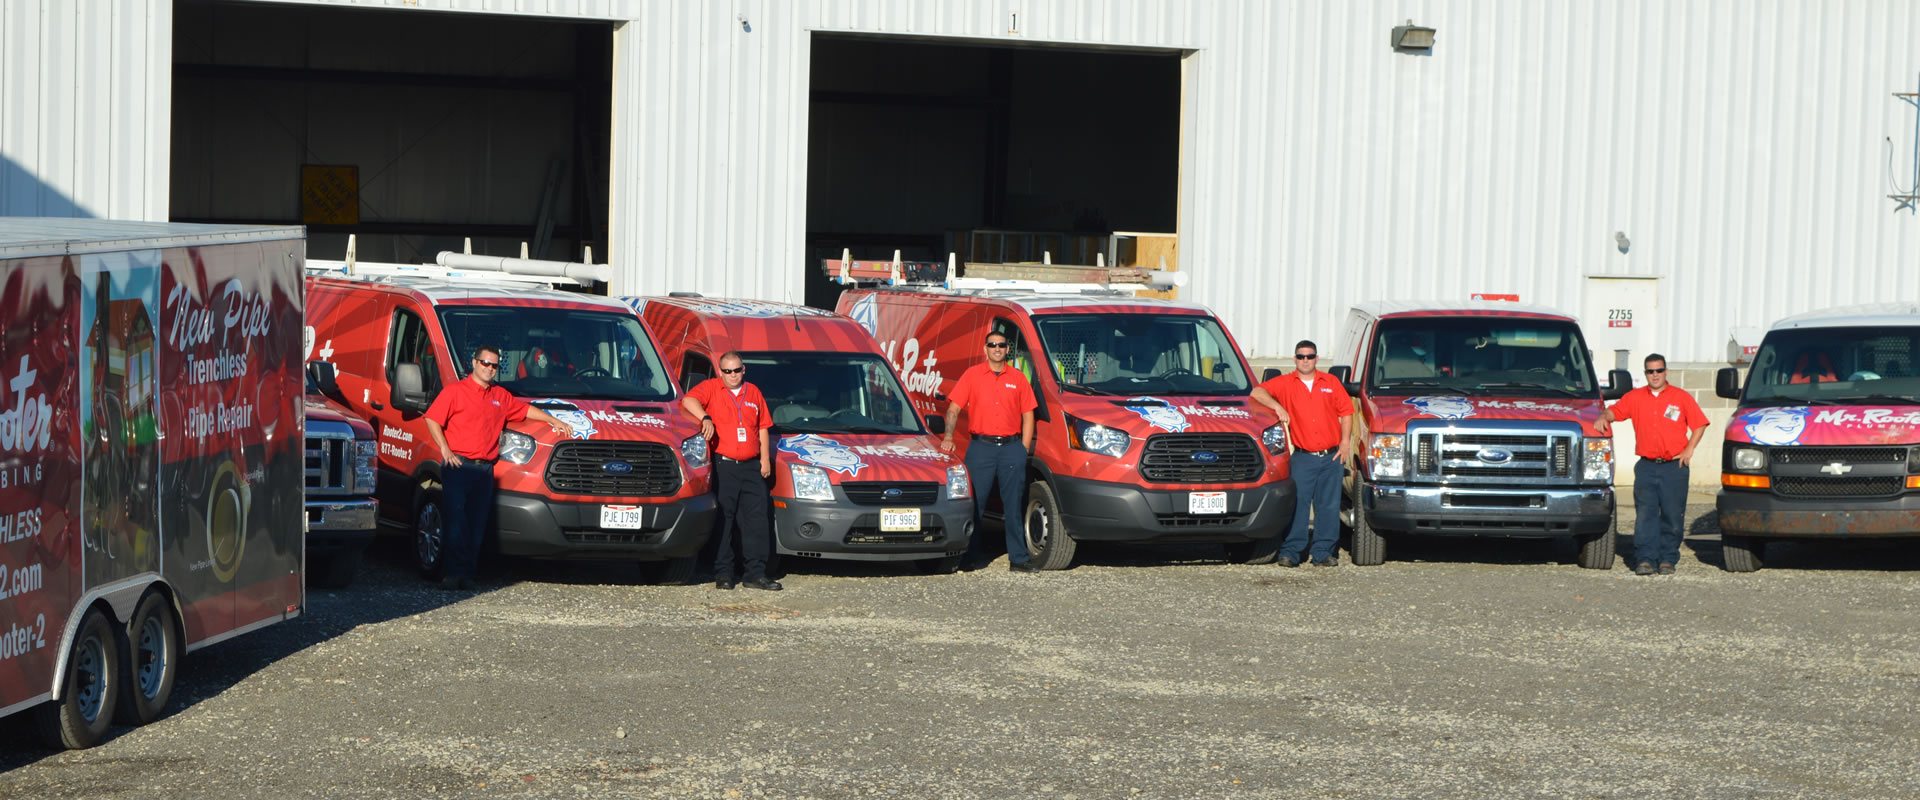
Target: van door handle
377,406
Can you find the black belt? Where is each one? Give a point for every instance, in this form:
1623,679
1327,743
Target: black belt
485,462
1322,453
996,439
754,460
1660,460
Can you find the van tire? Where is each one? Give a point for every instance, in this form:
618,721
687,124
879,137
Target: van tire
1742,553
670,572
429,533
1367,547
1597,549
153,661
946,565
1256,551
1049,544
89,689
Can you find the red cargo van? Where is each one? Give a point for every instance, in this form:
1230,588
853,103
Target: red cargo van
857,475
1479,421
1144,432
631,481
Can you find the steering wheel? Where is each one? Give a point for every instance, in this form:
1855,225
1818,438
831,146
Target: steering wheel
593,372
1172,371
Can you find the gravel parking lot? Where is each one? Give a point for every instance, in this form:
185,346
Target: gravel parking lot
1478,668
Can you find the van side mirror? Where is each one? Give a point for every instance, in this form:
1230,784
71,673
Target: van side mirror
324,379
1726,383
409,390
936,424
1344,374
1619,382
1270,374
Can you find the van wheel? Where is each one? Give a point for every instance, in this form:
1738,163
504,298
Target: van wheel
335,571
1596,549
1258,551
671,572
1741,553
153,658
429,534
939,566
1049,544
1368,548
80,718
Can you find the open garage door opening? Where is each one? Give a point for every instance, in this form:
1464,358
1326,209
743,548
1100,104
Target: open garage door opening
994,153
412,130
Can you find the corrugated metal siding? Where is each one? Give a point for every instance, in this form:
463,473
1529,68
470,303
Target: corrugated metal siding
1741,146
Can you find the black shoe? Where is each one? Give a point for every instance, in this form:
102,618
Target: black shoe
1022,567
1288,561
724,583
763,584
1329,561
466,584
1643,568
449,584
1666,568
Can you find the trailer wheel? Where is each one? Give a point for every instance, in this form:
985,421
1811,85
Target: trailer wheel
1596,549
671,572
1049,544
153,658
1257,551
946,565
1367,547
80,718
1741,553
429,533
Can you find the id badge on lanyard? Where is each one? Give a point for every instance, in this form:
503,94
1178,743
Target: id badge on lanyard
739,415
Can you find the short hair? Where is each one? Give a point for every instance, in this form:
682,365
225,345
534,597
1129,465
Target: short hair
486,348
733,354
1652,357
1307,343
1001,334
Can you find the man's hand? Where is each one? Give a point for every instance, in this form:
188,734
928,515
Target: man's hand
1686,457
563,429
946,443
451,459
1604,427
707,428
766,467
1346,452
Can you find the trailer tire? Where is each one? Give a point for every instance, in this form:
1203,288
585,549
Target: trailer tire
671,572
1742,553
153,661
429,533
1256,551
84,712
1049,544
1367,547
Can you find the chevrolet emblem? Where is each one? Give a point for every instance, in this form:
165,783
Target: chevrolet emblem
1836,468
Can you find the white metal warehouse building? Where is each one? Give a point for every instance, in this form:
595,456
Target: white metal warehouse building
1706,164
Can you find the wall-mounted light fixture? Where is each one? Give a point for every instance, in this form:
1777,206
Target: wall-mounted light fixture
1412,38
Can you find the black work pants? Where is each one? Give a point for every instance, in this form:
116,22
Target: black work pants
743,504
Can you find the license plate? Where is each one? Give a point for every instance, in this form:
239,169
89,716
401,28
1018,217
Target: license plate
1206,502
899,520
625,517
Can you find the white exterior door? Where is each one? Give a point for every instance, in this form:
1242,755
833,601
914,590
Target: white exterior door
1621,318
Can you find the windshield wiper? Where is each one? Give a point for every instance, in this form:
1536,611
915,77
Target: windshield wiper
1423,385
1883,399
1526,385
1783,400
1081,388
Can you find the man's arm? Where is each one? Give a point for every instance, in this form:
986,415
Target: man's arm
766,455
539,415
699,412
953,420
1686,456
1263,397
1605,423
1026,431
1346,437
440,440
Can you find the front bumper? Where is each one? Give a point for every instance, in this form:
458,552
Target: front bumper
343,525
845,531
1515,511
533,525
1758,513
1124,512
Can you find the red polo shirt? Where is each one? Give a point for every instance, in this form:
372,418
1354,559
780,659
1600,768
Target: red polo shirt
1662,423
473,417
994,401
1317,413
732,415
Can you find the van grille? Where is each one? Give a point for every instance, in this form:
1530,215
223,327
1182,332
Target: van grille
1845,455
1455,456
1805,486
329,464
580,468
874,493
1169,458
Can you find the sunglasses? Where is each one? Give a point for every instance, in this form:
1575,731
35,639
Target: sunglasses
1657,371
487,364
997,345
734,371
1308,357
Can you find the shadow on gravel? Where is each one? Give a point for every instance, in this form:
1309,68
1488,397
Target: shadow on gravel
1403,547
383,591
1878,555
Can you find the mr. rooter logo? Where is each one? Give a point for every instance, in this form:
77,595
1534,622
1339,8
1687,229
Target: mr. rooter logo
26,423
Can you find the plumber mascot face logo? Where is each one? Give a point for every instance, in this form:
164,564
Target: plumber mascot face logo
571,414
1159,413
1776,426
823,453
1442,406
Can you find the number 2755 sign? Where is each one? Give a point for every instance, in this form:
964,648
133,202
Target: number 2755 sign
1619,317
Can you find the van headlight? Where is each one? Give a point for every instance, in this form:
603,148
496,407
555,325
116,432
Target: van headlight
694,450
1599,461
958,487
516,447
1096,438
1749,459
1275,439
1387,456
810,483
366,453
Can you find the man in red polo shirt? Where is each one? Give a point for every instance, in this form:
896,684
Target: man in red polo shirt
733,413
1315,408
465,422
999,404
1667,426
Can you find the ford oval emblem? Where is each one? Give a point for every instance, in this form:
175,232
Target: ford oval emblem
617,467
892,494
1205,457
1495,455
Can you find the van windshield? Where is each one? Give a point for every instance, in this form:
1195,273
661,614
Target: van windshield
1482,355
1136,354
831,393
1819,366
559,352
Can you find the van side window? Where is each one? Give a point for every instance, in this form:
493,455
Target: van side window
694,369
410,344
1022,360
